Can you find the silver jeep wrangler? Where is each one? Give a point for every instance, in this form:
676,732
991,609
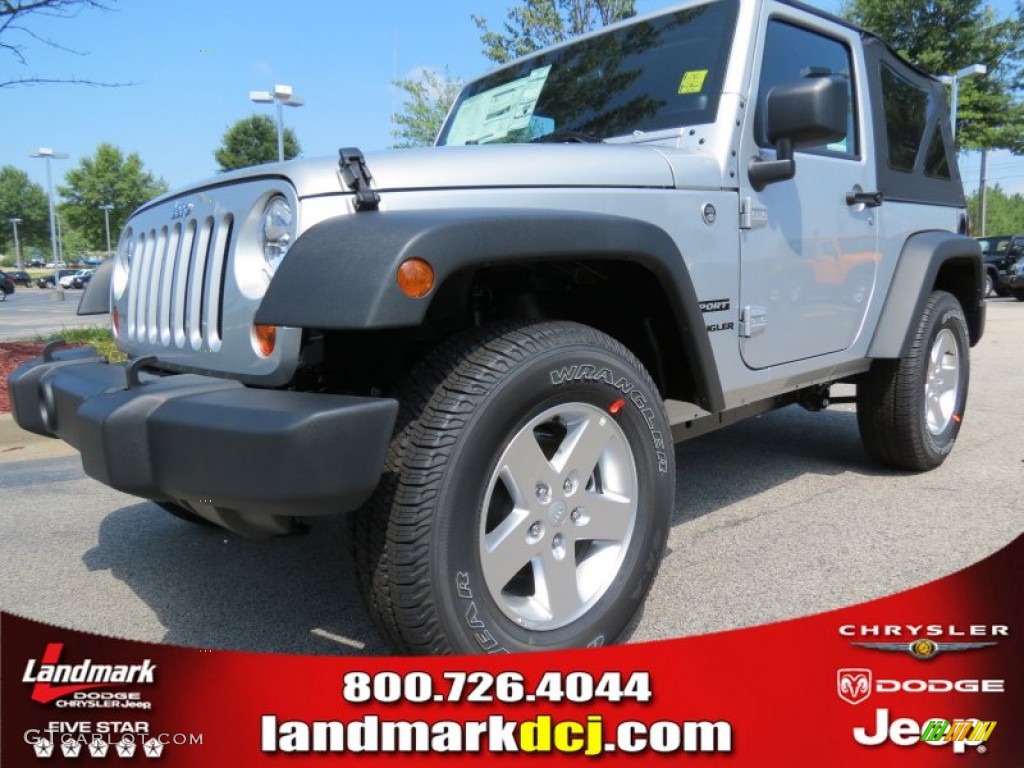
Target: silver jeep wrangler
485,350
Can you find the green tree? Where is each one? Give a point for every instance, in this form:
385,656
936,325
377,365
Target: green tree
25,200
534,24
426,102
1004,213
944,36
107,177
253,141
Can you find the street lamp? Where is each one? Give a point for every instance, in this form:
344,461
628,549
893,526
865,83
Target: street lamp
972,71
954,80
49,154
15,221
282,96
107,208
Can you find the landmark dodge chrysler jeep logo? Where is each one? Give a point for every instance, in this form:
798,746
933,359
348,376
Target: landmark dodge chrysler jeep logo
79,677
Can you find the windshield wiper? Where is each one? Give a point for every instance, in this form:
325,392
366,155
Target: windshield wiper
567,137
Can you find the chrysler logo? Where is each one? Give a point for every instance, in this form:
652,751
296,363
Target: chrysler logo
181,210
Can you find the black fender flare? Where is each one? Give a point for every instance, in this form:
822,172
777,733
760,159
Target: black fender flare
96,299
340,274
923,256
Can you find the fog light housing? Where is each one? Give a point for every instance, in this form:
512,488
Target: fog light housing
264,339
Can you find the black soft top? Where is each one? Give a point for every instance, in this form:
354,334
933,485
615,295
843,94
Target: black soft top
907,185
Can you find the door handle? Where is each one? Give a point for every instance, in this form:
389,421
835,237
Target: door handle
867,199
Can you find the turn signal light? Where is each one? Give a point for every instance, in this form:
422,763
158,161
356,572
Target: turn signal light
415,278
115,322
266,338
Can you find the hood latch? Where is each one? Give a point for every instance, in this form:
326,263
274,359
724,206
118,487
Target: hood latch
357,177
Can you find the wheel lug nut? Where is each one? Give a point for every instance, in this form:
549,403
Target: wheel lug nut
575,515
558,546
543,492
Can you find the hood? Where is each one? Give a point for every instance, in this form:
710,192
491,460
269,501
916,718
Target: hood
506,165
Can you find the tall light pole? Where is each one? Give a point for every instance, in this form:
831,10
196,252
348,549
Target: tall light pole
107,208
49,154
282,96
15,221
954,80
972,71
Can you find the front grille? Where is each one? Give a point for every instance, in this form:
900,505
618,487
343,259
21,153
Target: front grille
176,288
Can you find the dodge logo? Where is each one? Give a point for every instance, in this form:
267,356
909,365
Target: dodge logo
853,685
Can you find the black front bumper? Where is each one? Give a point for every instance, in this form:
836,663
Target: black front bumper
207,441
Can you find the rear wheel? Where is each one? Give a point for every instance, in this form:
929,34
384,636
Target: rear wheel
909,410
990,284
527,497
1018,294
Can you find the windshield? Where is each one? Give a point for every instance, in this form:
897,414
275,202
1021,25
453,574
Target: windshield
661,73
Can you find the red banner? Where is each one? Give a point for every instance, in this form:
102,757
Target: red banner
929,677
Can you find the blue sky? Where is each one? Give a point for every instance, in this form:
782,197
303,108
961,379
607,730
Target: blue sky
194,62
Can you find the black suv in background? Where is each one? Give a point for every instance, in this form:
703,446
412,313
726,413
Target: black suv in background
999,253
6,285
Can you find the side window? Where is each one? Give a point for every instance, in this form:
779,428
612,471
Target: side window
908,110
792,53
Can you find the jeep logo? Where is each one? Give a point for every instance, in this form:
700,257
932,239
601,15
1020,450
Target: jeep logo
181,210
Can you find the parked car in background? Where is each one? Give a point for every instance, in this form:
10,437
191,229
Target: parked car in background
21,278
82,280
1013,280
999,252
67,281
6,285
47,281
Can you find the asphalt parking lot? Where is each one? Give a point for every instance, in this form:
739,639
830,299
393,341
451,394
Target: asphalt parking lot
777,517
31,312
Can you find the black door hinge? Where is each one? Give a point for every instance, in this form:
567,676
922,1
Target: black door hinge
357,177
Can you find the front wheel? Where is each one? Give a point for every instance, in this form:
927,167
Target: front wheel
527,499
909,410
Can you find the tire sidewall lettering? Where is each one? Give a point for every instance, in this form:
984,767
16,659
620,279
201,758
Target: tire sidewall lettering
528,391
952,319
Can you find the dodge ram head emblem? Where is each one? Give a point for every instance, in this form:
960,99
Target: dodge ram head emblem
853,685
181,210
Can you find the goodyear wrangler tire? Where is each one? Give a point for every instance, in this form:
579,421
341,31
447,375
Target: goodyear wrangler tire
909,410
527,498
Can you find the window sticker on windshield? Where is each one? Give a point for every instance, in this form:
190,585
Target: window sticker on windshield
693,81
491,115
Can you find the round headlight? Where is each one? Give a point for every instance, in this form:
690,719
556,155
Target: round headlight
122,262
124,247
277,230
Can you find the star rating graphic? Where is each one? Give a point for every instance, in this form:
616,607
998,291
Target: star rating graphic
125,748
153,748
98,747
43,748
71,748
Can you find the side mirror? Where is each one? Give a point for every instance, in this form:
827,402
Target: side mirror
801,114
